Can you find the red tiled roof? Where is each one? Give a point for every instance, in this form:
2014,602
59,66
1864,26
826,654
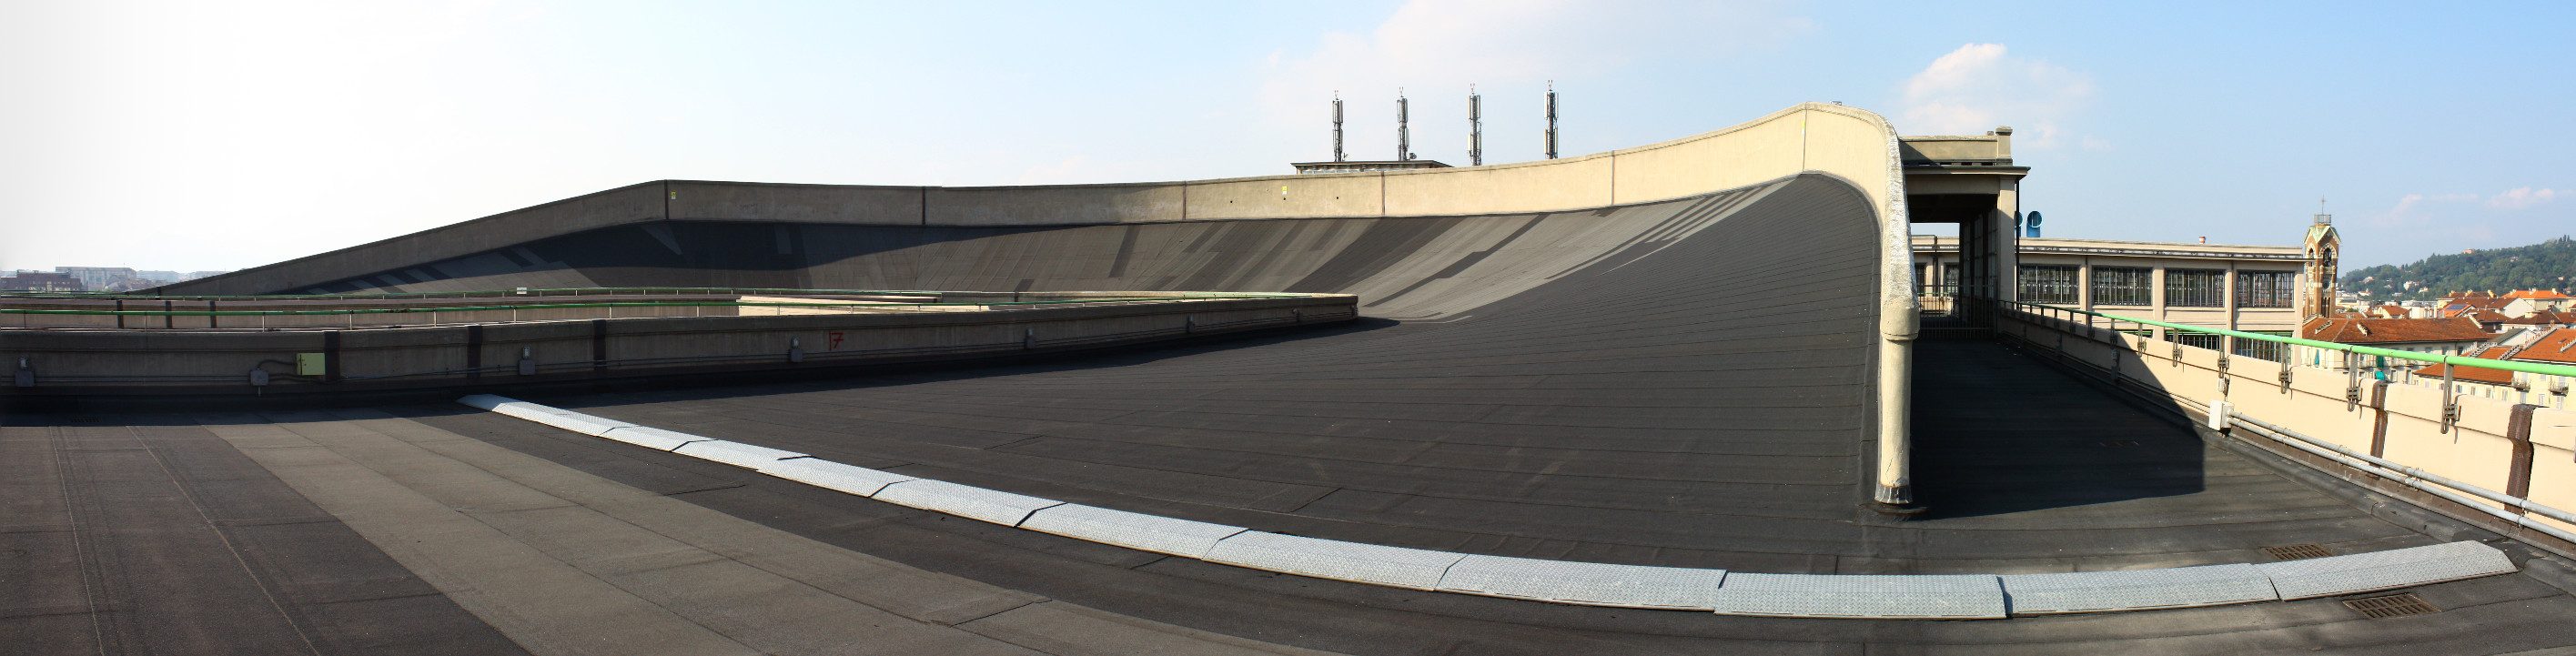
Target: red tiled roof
2540,294
2476,374
2392,331
2542,318
2558,346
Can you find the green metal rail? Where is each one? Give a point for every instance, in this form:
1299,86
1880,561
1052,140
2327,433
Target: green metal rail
619,304
2460,360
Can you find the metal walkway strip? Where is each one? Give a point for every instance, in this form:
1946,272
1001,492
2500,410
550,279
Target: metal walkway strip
1849,596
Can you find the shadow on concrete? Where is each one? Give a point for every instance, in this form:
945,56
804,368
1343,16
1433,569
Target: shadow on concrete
1998,432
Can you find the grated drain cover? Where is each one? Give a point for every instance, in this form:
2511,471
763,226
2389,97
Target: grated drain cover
2396,605
2297,552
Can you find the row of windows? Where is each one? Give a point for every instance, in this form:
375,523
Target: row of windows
2043,283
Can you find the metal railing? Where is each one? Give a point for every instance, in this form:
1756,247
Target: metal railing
2430,358
2514,510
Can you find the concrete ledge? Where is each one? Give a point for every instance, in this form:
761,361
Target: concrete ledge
1875,596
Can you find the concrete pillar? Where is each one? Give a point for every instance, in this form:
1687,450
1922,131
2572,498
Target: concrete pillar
1899,323
2007,245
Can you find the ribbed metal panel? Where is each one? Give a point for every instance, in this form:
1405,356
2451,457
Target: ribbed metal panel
2384,570
2177,587
1592,584
1002,508
1178,537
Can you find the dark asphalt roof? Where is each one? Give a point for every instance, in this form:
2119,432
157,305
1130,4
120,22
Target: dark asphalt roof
1627,408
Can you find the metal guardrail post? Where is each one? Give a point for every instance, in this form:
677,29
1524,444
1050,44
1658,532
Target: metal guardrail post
2450,403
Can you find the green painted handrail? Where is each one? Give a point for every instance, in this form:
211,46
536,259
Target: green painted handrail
614,304
2465,361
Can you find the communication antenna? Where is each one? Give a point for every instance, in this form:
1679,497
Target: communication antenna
1475,127
1551,119
1403,138
1337,125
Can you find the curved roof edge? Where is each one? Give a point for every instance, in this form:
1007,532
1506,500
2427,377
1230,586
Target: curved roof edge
1848,142
1724,592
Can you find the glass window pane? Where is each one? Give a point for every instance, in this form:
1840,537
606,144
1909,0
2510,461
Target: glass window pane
2195,288
2123,286
2265,289
2047,283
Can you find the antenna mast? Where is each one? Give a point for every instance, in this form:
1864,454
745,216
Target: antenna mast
1551,119
1403,138
1337,126
1475,127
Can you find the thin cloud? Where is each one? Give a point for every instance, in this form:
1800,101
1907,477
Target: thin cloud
1982,85
2521,197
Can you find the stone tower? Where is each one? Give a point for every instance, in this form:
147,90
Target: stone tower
2323,248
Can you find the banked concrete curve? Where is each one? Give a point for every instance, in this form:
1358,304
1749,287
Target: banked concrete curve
1857,147
1945,596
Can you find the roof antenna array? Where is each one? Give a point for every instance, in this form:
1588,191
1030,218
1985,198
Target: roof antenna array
1551,119
1337,125
1475,127
1403,139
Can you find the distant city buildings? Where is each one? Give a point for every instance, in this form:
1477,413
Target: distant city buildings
2260,289
95,279
39,281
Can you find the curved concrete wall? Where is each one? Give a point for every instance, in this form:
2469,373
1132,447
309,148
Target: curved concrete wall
1851,143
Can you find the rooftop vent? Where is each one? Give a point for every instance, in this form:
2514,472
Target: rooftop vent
2387,606
2297,551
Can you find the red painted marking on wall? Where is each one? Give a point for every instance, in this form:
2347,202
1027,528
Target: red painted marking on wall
835,342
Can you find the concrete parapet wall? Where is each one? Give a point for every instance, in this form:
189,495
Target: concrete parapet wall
793,203
77,362
2399,423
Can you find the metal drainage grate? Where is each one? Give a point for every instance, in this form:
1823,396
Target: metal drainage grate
2297,552
2120,444
2396,605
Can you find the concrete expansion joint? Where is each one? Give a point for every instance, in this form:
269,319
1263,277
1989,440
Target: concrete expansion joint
1718,591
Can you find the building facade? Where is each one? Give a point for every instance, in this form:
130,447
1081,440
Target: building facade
2261,289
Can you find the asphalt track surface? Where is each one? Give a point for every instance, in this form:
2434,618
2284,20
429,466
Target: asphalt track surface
1698,400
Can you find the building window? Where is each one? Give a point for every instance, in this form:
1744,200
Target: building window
1949,283
2262,350
2199,340
2123,286
2195,288
2047,284
2266,289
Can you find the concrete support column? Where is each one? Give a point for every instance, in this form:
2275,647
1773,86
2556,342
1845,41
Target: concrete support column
1899,322
2007,243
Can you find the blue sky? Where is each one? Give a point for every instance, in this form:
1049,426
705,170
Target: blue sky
188,137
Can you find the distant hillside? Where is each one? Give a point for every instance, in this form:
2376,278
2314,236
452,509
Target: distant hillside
2545,265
